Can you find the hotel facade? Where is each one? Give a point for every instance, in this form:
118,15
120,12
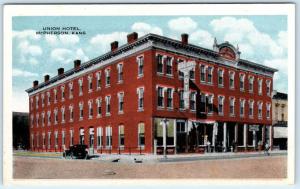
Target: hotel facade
153,95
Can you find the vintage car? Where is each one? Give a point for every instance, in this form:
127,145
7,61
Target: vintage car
78,151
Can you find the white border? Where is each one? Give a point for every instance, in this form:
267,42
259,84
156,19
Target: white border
143,10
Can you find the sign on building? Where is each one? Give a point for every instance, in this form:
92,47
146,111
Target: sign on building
253,128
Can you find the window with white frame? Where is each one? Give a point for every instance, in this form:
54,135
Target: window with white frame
43,119
56,138
268,82
107,77
220,77
49,98
49,140
202,103
231,79
63,138
210,74
140,92
63,116
121,102
32,140
260,86
80,110
36,102
55,116
221,105
98,76
193,101
81,136
160,97
242,82
70,90
192,74
242,107
108,133
99,109
49,117
170,98
90,104
71,111
120,73
202,73
37,140
160,64
80,85
251,79
31,103
37,120
55,95
44,140
251,108
260,105
180,74
181,99
32,120
140,61
43,100
71,137
169,68
231,106
62,88
210,104
107,109
90,82
99,137
141,134
121,136
268,110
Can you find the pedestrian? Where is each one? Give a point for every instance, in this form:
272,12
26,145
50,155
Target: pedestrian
208,146
267,148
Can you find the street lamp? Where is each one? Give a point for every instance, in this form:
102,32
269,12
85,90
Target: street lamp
164,122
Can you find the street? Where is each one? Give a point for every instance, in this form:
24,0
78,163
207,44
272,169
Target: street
253,167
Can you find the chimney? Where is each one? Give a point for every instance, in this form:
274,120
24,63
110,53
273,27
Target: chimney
132,37
60,71
184,38
114,45
35,83
77,64
46,78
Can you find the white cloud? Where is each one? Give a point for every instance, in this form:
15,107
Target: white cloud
27,52
51,39
22,73
143,28
182,24
283,39
20,100
66,56
69,39
102,41
202,38
81,55
25,34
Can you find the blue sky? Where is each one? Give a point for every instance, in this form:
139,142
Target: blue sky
262,39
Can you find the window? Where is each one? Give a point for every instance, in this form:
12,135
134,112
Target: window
36,102
251,79
99,137
90,83
120,73
37,120
192,73
121,136
203,103
140,92
107,100
90,104
169,70
108,132
242,82
268,87
140,61
202,73
44,140
31,103
210,107
70,90
99,110
269,110
71,113
80,83
98,76
193,101
37,140
181,99
63,138
107,77
80,110
220,105
71,137
49,98
55,95
141,134
260,104
160,97
49,140
91,136
251,103
220,77
170,98
63,114
231,106
62,88
43,100
43,119
260,86
32,120
210,75
121,102
242,107
231,79
81,135
180,74
159,61
55,116
55,138
32,140
49,118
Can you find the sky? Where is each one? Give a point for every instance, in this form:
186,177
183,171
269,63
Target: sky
262,39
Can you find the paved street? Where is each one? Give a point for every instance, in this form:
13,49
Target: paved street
250,167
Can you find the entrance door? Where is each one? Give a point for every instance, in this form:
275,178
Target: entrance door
181,137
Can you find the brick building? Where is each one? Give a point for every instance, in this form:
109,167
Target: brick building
152,94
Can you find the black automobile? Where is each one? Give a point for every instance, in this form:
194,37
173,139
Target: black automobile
78,151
